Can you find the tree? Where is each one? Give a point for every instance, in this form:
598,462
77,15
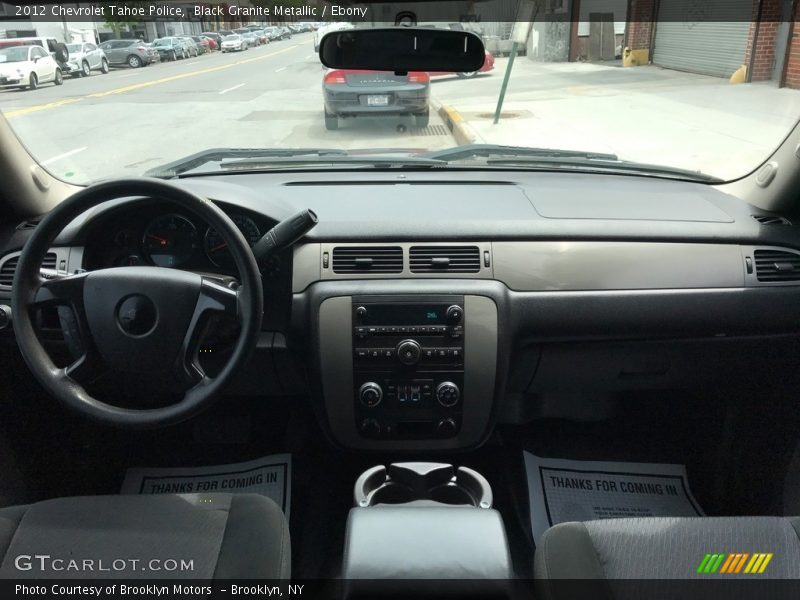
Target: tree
118,24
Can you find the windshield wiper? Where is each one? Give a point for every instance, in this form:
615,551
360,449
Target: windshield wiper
199,159
548,158
379,162
246,159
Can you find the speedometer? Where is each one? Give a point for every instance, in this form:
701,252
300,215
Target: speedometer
170,241
217,249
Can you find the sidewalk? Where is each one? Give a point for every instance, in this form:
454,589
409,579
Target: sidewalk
646,114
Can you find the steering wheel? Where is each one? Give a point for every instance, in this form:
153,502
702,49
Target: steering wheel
142,320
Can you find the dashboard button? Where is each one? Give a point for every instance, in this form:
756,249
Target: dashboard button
360,332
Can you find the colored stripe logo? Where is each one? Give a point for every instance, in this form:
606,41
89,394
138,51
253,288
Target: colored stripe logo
735,563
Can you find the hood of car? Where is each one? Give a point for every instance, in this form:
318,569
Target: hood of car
13,67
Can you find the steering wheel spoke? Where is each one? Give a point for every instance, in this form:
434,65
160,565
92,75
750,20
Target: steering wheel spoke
216,298
88,368
60,290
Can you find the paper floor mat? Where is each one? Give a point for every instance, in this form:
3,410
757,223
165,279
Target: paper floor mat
573,490
270,476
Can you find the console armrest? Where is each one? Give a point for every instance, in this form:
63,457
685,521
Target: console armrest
455,546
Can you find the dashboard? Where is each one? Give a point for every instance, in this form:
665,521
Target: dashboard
423,309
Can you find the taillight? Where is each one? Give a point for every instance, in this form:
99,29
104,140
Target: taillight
335,77
142,49
418,77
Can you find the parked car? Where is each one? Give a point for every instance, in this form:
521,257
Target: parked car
85,58
57,50
262,36
134,53
488,65
28,66
202,44
273,34
170,48
251,40
212,43
234,43
190,45
286,32
214,35
350,93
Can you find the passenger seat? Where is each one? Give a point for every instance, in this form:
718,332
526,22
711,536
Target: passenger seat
661,548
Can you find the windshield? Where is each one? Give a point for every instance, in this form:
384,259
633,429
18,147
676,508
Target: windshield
17,54
647,88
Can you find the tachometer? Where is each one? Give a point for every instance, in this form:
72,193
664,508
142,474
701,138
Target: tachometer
217,249
170,241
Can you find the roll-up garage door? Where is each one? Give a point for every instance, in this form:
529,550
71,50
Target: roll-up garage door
708,37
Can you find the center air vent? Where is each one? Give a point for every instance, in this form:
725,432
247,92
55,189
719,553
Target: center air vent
9,266
775,265
445,259
368,259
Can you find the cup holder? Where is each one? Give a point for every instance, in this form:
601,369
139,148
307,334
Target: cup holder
422,484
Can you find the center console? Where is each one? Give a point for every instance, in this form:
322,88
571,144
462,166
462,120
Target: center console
408,370
424,530
408,367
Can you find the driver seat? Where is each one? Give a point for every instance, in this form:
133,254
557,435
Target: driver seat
192,536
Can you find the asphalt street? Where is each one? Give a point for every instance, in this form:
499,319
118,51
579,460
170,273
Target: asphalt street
132,120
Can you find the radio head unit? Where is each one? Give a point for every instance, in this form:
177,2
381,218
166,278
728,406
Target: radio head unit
408,366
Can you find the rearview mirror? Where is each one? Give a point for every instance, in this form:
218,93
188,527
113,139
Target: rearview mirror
402,49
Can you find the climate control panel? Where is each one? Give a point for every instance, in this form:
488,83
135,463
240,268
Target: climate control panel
408,367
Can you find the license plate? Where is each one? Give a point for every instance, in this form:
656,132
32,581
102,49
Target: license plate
378,100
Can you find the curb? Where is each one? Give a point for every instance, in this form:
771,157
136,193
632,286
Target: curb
455,123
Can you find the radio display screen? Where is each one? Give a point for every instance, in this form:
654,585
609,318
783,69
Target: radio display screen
405,314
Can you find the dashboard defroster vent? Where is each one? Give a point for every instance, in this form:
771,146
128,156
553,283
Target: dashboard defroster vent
776,265
445,259
368,259
772,220
9,266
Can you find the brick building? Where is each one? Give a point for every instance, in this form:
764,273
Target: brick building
758,38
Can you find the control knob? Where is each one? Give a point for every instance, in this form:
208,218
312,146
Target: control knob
446,427
447,394
370,427
409,352
370,394
454,314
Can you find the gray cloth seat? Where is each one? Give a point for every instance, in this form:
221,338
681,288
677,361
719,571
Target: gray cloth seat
190,536
662,548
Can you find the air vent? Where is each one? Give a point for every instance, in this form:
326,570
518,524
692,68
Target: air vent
29,224
445,259
772,220
368,259
8,267
775,265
